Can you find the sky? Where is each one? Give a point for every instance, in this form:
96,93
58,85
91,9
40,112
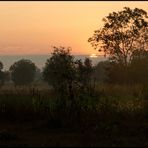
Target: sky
33,27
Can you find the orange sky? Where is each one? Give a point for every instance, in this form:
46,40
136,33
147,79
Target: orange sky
33,27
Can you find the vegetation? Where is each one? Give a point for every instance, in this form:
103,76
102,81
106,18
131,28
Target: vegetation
101,105
124,38
124,32
22,72
60,72
120,111
4,75
1,74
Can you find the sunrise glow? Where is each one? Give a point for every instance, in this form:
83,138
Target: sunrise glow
93,55
34,27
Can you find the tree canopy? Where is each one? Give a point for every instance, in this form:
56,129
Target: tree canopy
123,33
23,72
65,73
59,71
1,74
1,66
59,68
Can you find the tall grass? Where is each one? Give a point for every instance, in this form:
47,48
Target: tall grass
109,103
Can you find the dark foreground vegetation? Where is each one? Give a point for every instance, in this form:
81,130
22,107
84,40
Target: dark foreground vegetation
114,116
73,103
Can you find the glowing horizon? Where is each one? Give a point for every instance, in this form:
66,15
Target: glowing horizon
31,28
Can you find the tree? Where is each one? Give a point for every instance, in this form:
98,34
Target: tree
1,66
100,71
1,74
117,73
38,75
59,71
4,75
123,33
23,72
88,70
138,68
84,72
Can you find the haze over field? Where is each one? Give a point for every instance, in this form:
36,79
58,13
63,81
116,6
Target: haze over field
33,27
40,60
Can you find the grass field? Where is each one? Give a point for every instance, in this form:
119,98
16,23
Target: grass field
113,116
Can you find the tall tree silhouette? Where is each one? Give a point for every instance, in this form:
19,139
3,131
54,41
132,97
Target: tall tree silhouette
59,71
123,33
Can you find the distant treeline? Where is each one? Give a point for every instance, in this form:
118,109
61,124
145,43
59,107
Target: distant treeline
25,72
123,37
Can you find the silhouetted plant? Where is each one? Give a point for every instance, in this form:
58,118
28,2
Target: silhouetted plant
59,71
67,77
123,36
23,72
84,73
123,32
100,71
2,74
138,68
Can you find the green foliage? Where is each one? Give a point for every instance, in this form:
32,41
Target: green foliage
23,72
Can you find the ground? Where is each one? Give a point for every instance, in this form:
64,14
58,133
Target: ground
39,133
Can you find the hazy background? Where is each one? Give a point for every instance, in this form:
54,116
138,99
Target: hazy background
40,60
